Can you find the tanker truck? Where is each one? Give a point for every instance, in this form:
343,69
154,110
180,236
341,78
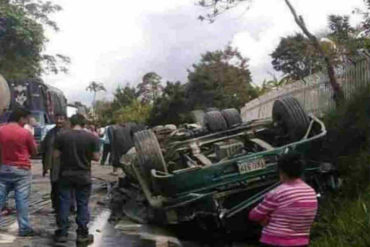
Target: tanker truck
41,99
4,95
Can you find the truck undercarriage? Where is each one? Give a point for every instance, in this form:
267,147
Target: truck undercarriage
215,173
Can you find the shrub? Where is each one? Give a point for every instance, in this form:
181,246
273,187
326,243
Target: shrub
344,218
347,143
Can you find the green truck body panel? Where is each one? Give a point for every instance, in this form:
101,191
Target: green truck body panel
224,189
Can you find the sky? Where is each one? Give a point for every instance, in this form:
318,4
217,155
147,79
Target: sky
116,42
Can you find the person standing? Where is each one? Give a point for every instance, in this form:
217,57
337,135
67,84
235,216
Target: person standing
48,163
288,211
93,130
107,148
122,142
76,148
17,145
30,126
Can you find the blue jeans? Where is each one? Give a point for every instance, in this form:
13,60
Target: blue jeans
19,180
82,196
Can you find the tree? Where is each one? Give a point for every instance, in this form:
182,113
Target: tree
137,112
338,93
221,79
339,27
150,88
22,39
296,57
263,89
124,96
95,87
219,6
365,17
273,84
171,107
346,38
103,112
276,83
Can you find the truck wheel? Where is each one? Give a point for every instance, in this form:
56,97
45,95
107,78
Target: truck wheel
149,153
289,116
232,117
212,109
214,121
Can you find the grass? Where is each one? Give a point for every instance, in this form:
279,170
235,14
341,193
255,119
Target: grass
344,223
344,219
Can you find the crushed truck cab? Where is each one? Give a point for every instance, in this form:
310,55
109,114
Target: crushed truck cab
218,171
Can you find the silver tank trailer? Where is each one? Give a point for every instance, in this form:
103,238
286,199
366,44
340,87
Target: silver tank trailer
4,94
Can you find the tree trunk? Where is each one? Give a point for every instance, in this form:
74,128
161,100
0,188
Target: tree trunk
338,93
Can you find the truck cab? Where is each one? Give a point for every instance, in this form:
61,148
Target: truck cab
44,124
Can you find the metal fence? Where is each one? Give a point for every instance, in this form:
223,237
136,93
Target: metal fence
313,92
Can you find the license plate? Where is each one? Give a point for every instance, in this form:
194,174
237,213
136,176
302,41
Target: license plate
251,166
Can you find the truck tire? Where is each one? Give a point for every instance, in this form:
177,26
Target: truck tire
149,153
214,121
212,109
289,116
232,117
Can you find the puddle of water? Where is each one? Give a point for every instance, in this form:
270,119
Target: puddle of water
127,227
97,227
6,239
157,235
13,227
128,232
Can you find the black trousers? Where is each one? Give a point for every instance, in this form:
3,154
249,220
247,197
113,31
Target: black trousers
54,196
106,151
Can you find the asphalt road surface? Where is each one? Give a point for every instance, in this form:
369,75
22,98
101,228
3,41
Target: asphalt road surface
124,233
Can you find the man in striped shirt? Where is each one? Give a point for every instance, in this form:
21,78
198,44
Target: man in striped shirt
288,211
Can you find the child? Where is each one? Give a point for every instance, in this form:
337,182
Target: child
288,211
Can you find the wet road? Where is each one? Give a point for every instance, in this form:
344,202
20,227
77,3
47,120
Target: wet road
124,233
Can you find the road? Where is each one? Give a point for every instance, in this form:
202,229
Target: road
125,233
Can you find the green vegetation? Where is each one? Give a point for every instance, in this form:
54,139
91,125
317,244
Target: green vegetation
95,87
291,56
344,222
345,217
135,112
296,57
150,89
171,107
220,79
22,42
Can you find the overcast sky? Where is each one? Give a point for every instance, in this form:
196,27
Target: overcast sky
115,41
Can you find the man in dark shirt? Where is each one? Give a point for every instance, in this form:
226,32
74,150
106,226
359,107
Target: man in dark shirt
76,148
48,163
122,141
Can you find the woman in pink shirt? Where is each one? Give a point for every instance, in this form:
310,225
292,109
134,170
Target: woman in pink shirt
288,211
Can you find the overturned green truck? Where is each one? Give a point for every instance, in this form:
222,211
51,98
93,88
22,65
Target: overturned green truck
215,173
